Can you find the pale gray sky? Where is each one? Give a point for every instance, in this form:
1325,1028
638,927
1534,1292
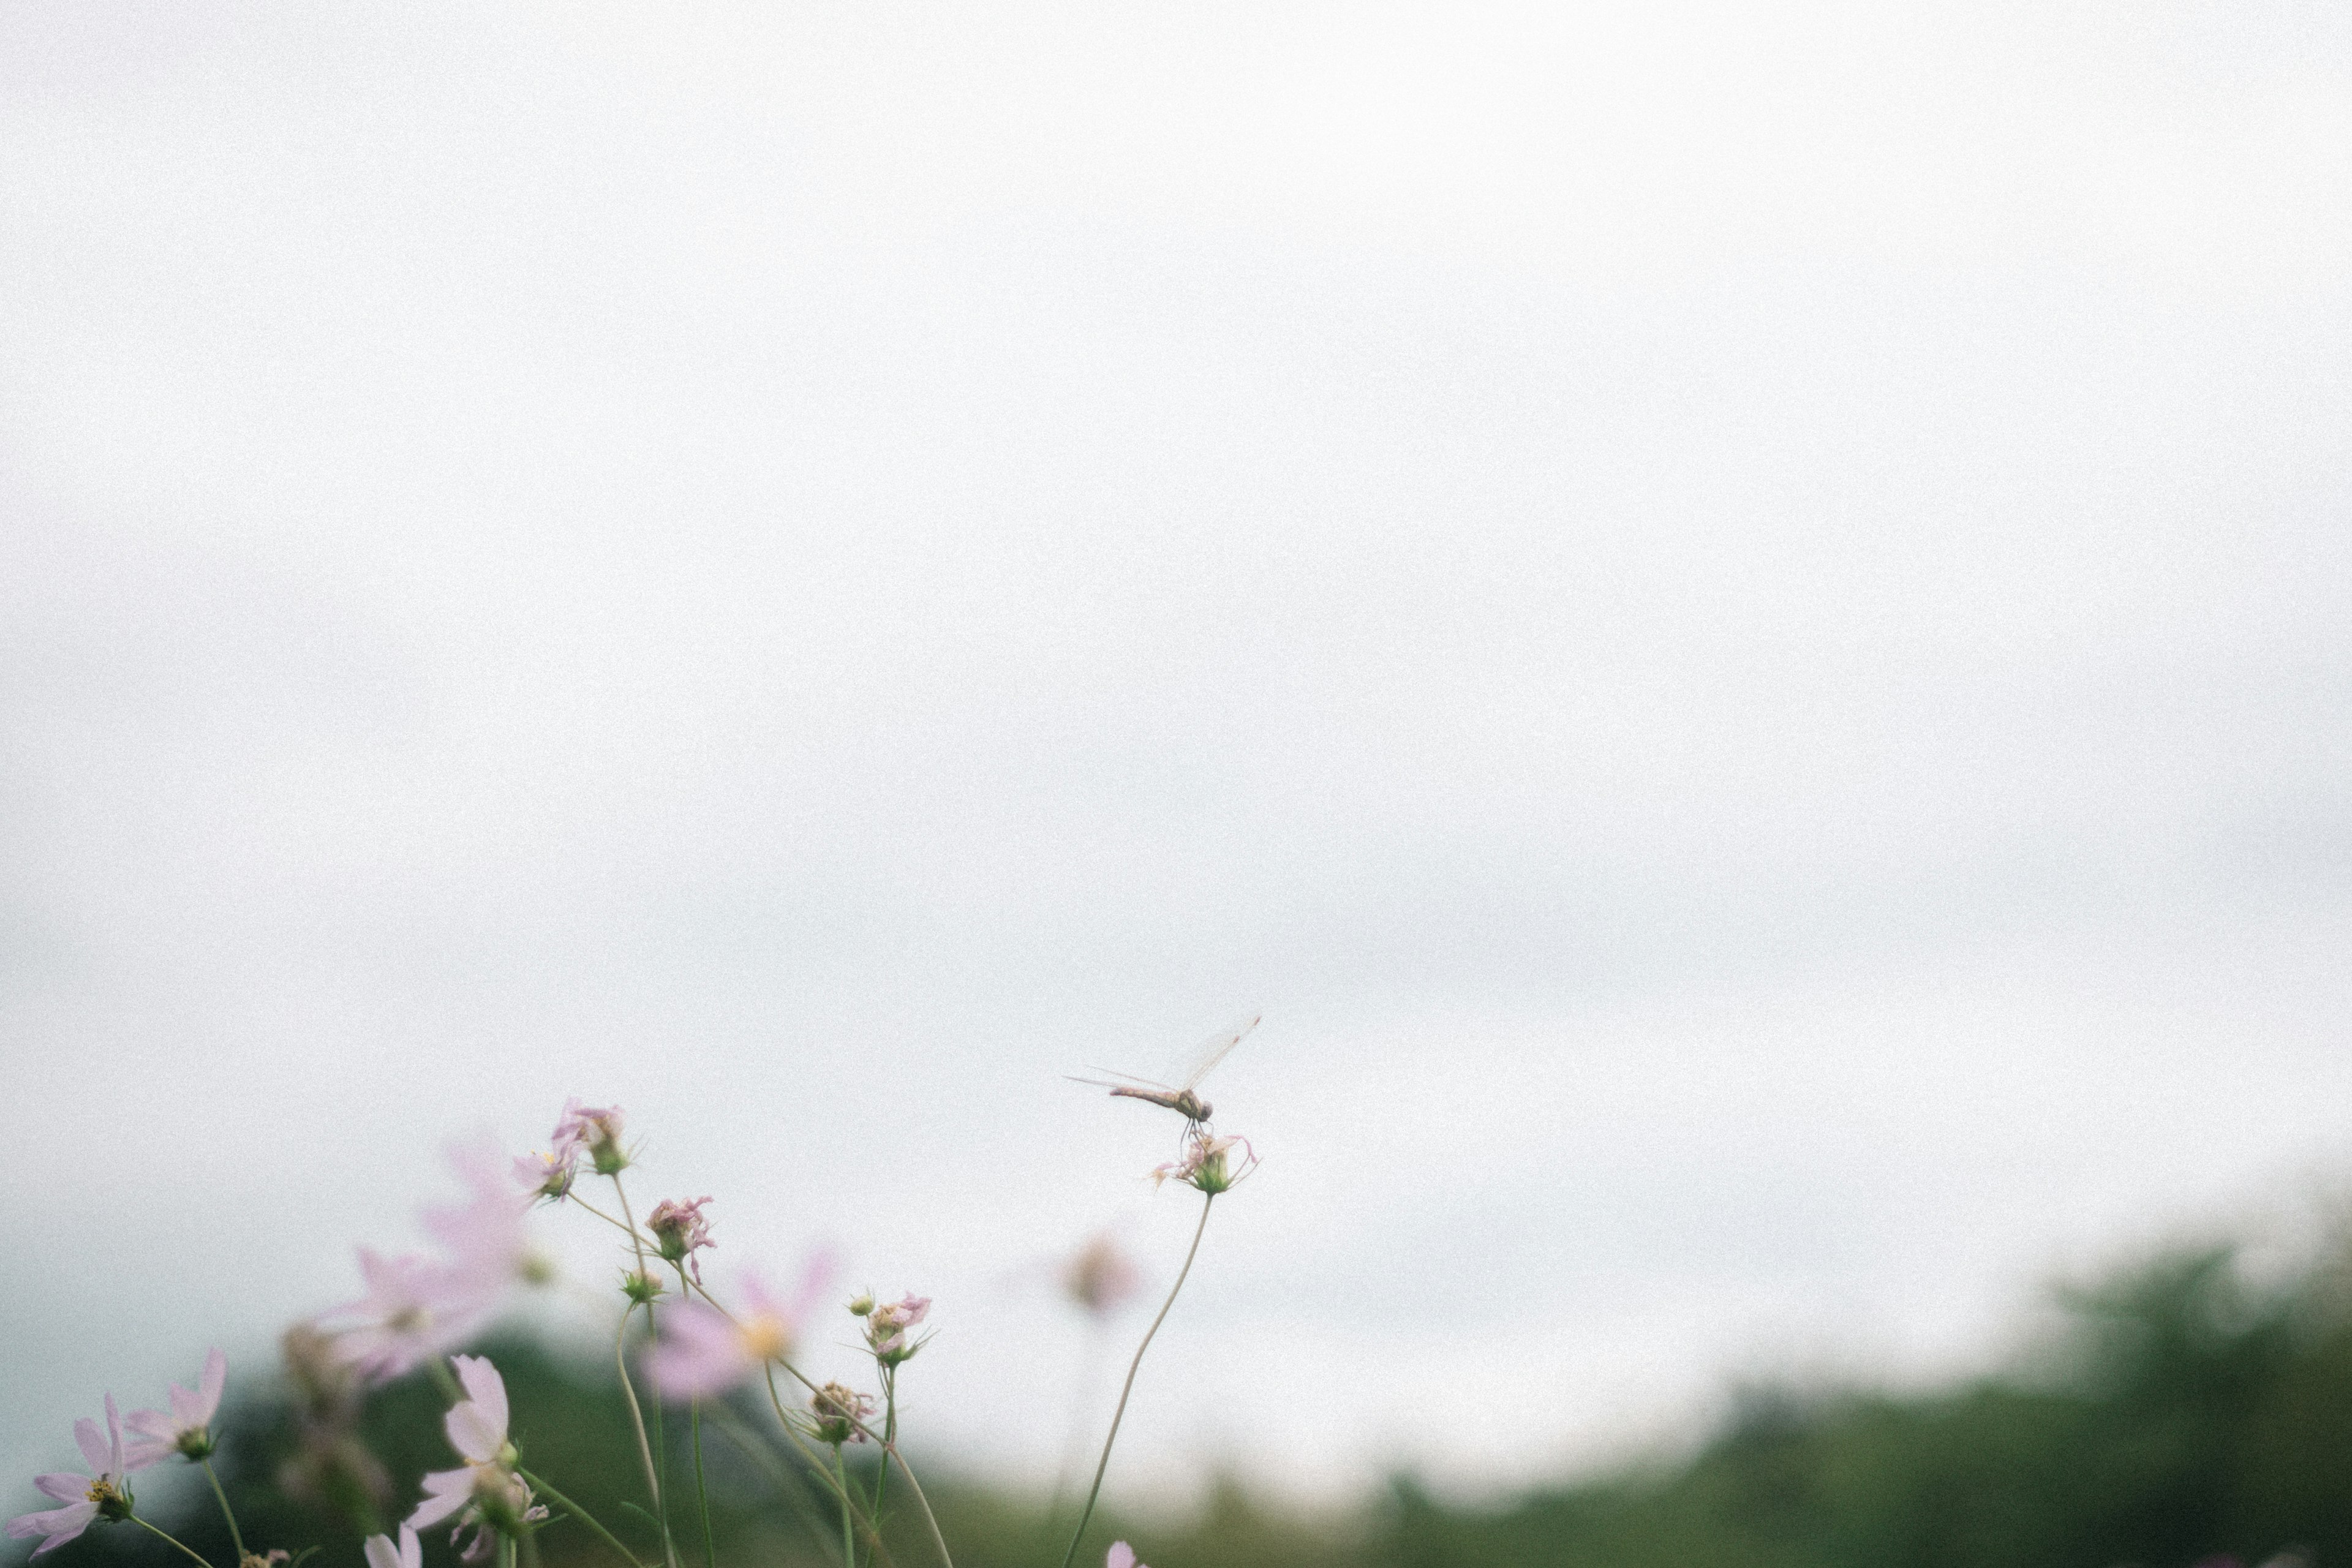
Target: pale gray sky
1733,616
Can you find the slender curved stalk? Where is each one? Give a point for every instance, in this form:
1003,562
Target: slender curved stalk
540,1483
235,1537
1208,1201
653,1476
702,1493
636,1415
849,1541
889,1436
758,1450
888,1448
173,1540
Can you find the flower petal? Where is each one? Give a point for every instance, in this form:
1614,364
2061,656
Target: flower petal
209,1385
1121,1555
63,1487
446,1491
93,1447
59,1524
488,1391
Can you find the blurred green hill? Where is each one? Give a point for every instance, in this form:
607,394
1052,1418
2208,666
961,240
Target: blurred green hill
2185,1415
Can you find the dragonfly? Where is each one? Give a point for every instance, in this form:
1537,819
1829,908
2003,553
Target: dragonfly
1181,1098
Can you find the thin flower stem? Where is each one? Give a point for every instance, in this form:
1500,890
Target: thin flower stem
629,1231
506,1552
636,1415
173,1540
702,1493
652,1476
701,1487
881,1554
1208,1200
437,1368
582,1515
889,1435
236,1538
758,1451
888,1448
529,1546
849,1541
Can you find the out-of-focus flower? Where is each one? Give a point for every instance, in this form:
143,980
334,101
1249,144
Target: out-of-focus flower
1207,1164
274,1558
87,1499
329,1465
703,1351
485,1235
382,1553
1122,1556
593,1131
679,1231
885,1327
1099,1277
495,1499
186,1428
839,1410
414,1307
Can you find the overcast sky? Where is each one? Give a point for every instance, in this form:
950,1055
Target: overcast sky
1732,616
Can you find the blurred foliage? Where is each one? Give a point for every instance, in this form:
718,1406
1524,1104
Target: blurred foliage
2186,1415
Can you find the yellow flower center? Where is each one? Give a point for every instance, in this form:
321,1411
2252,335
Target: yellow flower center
765,1338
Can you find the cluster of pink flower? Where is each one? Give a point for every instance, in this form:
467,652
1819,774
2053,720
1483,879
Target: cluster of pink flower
417,1308
105,1493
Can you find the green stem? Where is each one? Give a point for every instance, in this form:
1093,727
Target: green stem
889,1436
174,1540
755,1448
235,1537
849,1541
1207,1200
645,1450
881,1554
636,1415
702,1493
889,1449
582,1515
443,1379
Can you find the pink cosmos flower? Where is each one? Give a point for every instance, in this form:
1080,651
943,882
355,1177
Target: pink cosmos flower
382,1553
704,1351
485,1234
544,1175
414,1307
885,1327
477,1430
1122,1556
591,1130
187,1429
1206,1166
87,1498
679,1231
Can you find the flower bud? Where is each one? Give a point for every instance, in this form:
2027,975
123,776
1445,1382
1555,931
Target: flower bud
641,1286
838,1411
862,1305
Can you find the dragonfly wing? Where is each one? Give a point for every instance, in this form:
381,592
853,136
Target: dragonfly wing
1212,1050
1117,1080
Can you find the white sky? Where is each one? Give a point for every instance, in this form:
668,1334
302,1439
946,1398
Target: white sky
1734,618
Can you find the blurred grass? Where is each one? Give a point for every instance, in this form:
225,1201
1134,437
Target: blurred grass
2185,1413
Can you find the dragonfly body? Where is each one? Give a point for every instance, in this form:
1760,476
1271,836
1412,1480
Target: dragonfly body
1183,1101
